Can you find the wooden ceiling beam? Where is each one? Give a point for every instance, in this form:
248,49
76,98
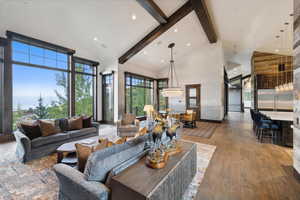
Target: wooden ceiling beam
172,20
203,15
153,9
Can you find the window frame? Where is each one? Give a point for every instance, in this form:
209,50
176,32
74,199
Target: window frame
160,89
104,85
94,76
70,70
144,79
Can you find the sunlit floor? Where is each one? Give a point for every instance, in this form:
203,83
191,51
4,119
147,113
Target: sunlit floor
243,168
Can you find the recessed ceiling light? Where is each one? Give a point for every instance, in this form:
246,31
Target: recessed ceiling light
175,30
158,43
277,50
145,52
96,39
188,44
162,61
133,17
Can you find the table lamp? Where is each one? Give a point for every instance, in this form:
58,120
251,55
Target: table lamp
148,109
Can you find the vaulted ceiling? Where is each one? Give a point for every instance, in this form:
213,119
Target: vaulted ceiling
104,30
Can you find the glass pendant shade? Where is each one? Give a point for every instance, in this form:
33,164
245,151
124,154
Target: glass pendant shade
172,92
291,86
173,89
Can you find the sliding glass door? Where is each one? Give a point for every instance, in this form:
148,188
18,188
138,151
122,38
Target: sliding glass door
108,97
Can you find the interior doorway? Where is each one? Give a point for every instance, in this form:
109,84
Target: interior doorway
235,98
193,99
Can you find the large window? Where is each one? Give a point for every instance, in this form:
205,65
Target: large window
108,97
1,83
85,75
40,82
139,92
162,101
48,82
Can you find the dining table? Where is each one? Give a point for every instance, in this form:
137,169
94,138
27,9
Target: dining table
285,120
279,116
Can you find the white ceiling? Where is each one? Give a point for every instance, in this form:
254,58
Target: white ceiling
249,25
242,26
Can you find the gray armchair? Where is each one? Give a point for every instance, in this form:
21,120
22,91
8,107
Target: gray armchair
128,126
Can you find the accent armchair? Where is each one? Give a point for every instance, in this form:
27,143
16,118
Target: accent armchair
189,119
128,126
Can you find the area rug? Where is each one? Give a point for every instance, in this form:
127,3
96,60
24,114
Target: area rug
37,181
203,130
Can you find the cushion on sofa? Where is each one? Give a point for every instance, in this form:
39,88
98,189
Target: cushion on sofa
41,141
48,127
128,128
75,123
101,162
84,151
87,121
81,132
63,124
30,129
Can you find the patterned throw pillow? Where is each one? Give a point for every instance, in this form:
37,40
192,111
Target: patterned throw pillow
48,127
84,151
75,123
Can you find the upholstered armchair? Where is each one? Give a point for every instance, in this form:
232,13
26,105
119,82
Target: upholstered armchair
189,119
128,126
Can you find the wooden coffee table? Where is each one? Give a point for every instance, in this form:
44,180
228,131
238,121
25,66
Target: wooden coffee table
70,149
140,182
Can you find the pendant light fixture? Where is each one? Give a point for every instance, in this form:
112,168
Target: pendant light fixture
173,89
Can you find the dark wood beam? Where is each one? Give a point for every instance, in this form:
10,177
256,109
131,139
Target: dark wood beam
153,9
203,15
173,19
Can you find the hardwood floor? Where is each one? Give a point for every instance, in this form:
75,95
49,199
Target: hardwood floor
243,168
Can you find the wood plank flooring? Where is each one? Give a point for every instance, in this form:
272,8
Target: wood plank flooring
243,168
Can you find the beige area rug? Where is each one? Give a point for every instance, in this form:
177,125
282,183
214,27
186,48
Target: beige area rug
203,130
37,181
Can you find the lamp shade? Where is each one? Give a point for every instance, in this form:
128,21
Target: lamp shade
172,92
148,108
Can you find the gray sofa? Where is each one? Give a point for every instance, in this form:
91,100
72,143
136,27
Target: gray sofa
101,166
27,149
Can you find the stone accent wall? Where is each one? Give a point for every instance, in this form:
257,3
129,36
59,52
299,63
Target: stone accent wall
297,85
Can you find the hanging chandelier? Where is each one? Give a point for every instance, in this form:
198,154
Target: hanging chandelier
173,89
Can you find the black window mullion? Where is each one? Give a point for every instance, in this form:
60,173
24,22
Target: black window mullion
72,89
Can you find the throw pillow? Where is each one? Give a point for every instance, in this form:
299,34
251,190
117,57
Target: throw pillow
31,130
87,122
75,123
48,127
84,151
63,124
120,141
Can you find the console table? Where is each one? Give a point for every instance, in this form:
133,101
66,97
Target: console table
139,182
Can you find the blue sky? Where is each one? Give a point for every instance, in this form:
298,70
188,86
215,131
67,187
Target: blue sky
30,82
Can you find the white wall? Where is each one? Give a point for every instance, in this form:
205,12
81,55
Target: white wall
206,67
